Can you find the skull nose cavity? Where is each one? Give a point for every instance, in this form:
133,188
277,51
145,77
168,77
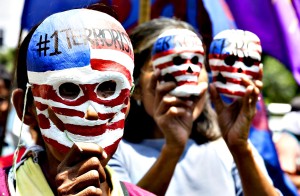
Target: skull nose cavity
91,114
240,70
189,70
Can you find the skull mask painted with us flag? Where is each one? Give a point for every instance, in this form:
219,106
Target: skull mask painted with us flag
179,55
76,60
234,54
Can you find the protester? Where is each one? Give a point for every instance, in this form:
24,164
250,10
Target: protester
172,145
5,86
6,111
236,53
8,119
287,143
78,60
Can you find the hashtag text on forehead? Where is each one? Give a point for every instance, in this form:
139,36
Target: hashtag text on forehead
50,44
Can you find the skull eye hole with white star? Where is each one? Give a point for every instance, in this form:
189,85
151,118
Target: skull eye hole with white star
230,60
106,89
195,60
69,91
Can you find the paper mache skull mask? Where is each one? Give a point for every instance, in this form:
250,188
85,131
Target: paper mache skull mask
79,59
179,55
234,54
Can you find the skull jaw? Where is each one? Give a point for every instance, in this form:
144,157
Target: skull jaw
189,90
230,90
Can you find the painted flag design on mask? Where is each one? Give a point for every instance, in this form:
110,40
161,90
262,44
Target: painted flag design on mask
179,55
234,54
76,66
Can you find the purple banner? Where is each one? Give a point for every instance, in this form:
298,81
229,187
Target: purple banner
276,24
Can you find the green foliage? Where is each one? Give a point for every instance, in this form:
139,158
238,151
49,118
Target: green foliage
279,83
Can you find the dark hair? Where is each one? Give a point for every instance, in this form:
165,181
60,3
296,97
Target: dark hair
101,7
21,71
138,124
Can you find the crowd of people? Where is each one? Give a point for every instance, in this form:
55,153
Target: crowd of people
112,113
287,143
5,86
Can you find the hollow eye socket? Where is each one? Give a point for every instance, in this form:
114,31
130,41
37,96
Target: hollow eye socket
69,91
248,61
177,60
230,60
106,89
195,60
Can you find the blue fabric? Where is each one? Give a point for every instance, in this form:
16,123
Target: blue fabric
220,15
35,11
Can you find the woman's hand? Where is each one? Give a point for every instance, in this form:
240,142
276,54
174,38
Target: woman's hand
173,115
81,172
235,119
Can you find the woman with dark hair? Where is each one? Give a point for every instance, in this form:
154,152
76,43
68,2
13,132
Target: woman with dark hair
172,142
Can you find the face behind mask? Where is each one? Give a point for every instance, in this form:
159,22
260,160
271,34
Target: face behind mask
79,60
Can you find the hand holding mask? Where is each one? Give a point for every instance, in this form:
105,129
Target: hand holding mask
72,66
234,54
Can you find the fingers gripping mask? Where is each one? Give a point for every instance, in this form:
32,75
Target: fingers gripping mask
179,54
76,60
234,54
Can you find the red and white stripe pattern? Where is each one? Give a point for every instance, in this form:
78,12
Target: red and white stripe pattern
62,120
241,44
186,45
